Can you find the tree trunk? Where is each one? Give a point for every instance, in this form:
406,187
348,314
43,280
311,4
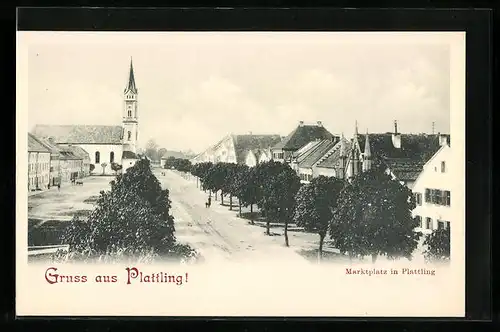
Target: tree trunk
320,253
239,203
374,258
286,234
196,182
267,227
231,202
251,214
222,197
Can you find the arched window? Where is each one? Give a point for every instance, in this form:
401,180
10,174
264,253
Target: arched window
111,157
129,135
97,157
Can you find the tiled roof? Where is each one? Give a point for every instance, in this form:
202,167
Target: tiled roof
129,155
68,154
55,151
417,147
80,134
307,147
316,153
245,143
302,135
331,159
77,151
34,145
407,162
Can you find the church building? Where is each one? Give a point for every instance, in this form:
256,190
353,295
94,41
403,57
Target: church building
106,145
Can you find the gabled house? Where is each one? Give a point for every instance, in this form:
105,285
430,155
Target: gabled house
299,137
55,165
84,156
334,162
236,149
305,159
38,164
433,192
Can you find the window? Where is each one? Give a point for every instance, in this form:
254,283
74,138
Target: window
129,113
443,167
97,157
427,195
129,135
447,198
441,224
418,198
419,220
428,223
111,157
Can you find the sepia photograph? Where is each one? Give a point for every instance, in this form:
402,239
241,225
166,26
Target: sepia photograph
241,165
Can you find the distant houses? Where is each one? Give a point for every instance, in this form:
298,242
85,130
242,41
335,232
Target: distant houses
239,149
311,150
51,164
302,135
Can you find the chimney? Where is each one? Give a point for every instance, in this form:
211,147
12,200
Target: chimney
396,137
301,123
443,140
320,124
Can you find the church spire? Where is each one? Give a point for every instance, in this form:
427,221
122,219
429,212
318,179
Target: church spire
131,80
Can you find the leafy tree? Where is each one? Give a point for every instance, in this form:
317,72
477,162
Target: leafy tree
373,217
215,178
201,170
437,245
279,185
239,183
116,167
230,172
92,167
314,205
132,219
103,165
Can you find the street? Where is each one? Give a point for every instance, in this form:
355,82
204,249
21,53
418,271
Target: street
217,232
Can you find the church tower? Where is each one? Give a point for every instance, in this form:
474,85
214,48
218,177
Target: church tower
130,116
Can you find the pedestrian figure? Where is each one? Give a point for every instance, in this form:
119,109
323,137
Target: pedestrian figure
58,186
209,201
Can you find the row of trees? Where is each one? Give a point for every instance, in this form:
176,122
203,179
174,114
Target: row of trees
132,219
370,215
182,165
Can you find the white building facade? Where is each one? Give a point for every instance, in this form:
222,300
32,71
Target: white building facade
432,191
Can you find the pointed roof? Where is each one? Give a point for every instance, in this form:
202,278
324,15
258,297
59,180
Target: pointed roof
368,152
131,80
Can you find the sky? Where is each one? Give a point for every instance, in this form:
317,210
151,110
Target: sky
195,88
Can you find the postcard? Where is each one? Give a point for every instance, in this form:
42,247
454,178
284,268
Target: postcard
240,174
